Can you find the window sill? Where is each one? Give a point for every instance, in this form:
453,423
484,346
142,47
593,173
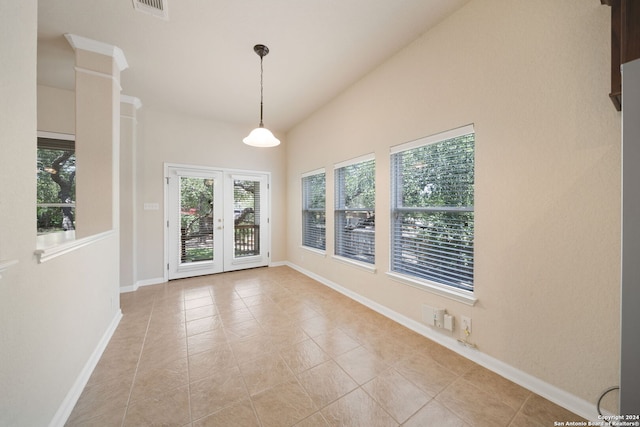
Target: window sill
53,245
361,265
314,250
459,295
6,264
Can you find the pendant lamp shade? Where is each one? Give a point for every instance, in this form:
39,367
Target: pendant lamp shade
261,136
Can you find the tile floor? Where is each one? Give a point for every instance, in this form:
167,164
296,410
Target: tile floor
272,347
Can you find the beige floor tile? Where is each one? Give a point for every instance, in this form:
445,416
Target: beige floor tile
317,325
265,372
326,383
207,363
271,320
283,336
240,414
250,348
538,411
260,299
447,358
102,399
206,341
155,379
269,347
361,364
171,408
198,302
426,373
474,405
336,342
114,364
241,330
389,350
161,337
236,316
315,420
166,317
397,395
297,309
200,312
303,355
283,405
216,392
110,419
196,293
357,409
505,390
159,354
204,324
229,303
434,414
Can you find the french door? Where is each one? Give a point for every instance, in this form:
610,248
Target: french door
216,221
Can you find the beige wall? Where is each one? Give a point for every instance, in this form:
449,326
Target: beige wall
52,315
128,142
56,110
186,140
533,78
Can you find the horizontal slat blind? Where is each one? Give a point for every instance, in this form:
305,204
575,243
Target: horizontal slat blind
313,210
433,219
355,210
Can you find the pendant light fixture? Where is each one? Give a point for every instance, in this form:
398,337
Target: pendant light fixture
261,136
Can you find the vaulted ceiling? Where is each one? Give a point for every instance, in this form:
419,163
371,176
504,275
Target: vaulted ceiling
201,61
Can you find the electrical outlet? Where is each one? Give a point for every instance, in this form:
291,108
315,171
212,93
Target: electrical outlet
466,325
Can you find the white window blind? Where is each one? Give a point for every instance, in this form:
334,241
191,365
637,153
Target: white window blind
432,209
355,209
313,210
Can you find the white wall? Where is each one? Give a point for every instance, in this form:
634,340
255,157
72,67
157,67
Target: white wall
52,315
171,138
533,77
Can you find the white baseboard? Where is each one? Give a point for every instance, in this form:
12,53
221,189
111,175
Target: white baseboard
556,395
69,402
131,288
278,264
139,283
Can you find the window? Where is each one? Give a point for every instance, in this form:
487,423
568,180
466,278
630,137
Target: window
56,186
313,210
432,209
355,199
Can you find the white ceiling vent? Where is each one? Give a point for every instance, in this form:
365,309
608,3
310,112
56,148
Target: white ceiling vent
157,8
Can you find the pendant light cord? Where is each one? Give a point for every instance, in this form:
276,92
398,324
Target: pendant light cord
261,72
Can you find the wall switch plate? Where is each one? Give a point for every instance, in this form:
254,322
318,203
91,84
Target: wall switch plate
438,317
449,321
428,315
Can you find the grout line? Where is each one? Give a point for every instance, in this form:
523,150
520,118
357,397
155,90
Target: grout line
524,402
135,372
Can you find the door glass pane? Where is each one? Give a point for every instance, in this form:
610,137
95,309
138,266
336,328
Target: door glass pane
196,219
246,223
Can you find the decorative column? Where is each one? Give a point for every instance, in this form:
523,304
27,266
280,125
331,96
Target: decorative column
98,67
129,107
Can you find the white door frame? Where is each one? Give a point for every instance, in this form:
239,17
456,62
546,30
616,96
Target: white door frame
228,174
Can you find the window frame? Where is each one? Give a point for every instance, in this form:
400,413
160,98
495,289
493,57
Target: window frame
71,139
340,211
52,245
396,210
306,210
